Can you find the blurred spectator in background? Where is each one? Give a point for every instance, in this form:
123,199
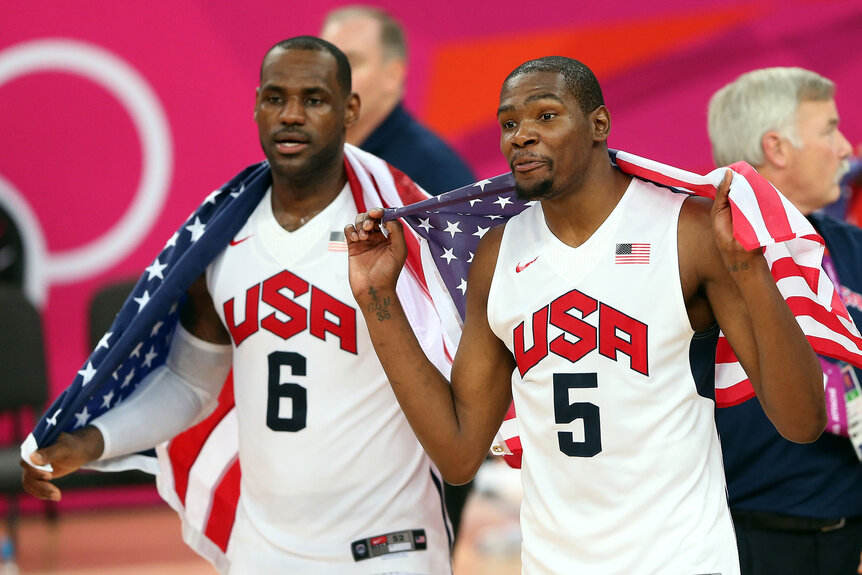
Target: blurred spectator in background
853,184
796,508
11,251
375,45
848,200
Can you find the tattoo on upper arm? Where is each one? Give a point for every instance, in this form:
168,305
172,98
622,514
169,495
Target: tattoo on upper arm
379,306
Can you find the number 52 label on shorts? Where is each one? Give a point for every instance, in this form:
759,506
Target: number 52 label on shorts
395,542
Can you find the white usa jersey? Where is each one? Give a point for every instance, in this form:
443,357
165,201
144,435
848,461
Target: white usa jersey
622,469
333,478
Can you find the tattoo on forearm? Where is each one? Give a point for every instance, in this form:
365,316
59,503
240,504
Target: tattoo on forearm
379,306
736,267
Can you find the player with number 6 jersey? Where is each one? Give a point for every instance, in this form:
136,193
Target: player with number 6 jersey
349,468
302,461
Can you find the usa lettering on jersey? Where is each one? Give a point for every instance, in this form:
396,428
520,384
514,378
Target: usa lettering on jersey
607,337
315,319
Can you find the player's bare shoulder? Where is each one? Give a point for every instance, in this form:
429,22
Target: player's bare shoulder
487,251
482,268
696,243
699,258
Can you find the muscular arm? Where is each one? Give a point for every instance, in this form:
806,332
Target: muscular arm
455,423
723,280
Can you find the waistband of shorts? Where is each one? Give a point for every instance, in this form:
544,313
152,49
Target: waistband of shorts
775,522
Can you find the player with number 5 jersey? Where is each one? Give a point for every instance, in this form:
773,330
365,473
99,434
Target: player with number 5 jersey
611,390
597,309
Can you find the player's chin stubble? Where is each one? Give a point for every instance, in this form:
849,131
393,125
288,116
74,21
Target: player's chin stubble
536,192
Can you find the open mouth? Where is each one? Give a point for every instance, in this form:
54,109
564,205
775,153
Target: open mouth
290,143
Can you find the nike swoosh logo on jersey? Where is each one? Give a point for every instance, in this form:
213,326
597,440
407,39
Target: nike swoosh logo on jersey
238,242
519,268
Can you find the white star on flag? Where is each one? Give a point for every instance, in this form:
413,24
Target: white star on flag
212,197
128,379
172,241
156,328
87,373
148,359
474,202
143,300
481,184
424,223
449,256
462,286
106,399
470,260
53,419
480,231
83,417
452,228
137,351
503,201
104,341
156,269
196,229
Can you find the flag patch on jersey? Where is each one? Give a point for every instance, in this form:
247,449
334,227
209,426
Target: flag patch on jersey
337,242
632,254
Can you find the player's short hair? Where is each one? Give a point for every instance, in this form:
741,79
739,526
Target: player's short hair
313,43
757,102
580,80
392,36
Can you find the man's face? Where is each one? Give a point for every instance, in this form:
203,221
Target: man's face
816,168
545,136
376,79
301,112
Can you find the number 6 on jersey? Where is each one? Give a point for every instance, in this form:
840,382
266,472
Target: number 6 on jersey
293,391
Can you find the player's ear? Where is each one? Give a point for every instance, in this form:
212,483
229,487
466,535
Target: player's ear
256,101
351,112
600,121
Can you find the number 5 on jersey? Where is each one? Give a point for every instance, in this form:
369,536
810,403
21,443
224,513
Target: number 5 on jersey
566,412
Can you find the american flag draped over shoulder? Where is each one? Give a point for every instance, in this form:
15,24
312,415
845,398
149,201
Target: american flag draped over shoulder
198,472
138,340
452,225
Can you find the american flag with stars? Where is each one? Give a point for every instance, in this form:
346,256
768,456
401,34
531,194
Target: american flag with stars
453,223
140,336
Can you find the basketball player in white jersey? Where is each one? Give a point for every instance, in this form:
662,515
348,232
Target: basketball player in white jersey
607,361
338,483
